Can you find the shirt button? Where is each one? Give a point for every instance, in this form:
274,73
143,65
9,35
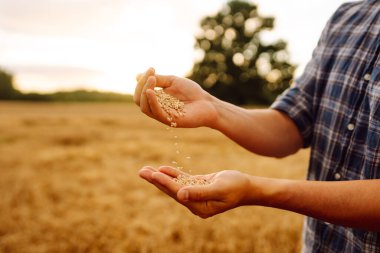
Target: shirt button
350,127
367,77
337,176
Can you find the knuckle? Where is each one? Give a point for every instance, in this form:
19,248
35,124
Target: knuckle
144,109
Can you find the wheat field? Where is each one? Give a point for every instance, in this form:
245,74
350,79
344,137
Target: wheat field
68,183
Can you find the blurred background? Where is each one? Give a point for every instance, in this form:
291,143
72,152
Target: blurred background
51,45
68,169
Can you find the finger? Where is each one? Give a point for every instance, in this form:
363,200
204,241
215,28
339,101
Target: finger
165,81
146,173
149,168
138,76
199,193
155,107
140,84
144,105
170,187
163,189
170,171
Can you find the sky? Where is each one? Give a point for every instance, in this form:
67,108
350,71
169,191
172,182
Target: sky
51,45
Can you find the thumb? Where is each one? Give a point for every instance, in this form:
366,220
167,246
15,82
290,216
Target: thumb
197,193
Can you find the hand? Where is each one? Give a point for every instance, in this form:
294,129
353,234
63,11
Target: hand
227,189
199,105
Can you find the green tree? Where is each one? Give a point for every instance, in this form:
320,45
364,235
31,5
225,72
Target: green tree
235,64
7,90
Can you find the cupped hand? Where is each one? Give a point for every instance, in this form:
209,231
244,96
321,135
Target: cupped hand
226,189
199,107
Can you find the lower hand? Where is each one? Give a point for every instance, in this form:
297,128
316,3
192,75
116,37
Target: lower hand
226,189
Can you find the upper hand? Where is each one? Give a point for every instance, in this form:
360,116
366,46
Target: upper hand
227,190
199,105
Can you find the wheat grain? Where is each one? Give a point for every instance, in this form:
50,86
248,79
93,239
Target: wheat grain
171,105
185,180
173,108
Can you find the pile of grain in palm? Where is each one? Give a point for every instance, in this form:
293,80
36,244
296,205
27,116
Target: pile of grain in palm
185,180
171,105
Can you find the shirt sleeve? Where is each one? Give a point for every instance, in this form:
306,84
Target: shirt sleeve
300,100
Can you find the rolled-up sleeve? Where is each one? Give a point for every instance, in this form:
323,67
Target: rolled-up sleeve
297,106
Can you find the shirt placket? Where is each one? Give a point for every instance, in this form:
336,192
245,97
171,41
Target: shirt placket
365,82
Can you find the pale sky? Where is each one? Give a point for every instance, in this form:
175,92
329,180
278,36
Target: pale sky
102,44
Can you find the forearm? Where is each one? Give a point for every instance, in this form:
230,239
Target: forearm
348,203
263,131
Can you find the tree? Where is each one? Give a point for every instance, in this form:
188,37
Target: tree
236,65
7,90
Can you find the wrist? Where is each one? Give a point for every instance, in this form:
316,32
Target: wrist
214,121
267,192
224,114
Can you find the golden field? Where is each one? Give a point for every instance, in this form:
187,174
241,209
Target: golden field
68,183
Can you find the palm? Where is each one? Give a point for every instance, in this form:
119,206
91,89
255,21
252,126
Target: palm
225,191
199,110
228,194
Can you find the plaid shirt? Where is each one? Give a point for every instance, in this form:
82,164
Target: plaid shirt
336,106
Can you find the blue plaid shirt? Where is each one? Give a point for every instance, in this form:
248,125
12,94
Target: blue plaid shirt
336,106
